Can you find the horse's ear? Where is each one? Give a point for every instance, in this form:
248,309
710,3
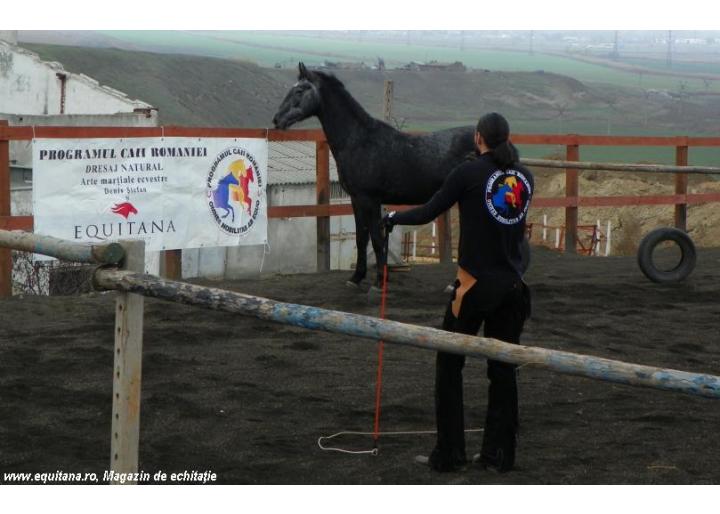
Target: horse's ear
303,71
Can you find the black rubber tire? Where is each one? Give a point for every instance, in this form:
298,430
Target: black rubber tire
525,255
684,267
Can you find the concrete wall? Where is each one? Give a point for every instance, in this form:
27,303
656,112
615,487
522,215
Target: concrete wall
21,202
29,85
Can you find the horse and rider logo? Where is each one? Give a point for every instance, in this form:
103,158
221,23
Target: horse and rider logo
234,189
507,196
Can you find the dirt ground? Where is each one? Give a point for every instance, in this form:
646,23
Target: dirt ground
248,399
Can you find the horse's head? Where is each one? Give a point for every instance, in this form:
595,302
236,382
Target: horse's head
301,102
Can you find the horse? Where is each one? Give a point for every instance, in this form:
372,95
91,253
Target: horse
377,164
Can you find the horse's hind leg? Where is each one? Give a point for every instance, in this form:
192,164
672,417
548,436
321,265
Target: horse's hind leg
361,212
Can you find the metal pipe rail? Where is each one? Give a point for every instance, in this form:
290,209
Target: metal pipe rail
107,253
314,318
614,166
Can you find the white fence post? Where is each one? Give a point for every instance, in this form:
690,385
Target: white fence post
127,370
607,239
434,231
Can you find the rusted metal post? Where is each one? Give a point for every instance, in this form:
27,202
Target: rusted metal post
571,191
374,329
5,254
172,261
322,188
681,183
127,370
445,237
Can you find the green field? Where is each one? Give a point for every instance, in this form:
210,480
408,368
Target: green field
676,66
647,155
267,49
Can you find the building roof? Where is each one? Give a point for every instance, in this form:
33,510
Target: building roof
293,162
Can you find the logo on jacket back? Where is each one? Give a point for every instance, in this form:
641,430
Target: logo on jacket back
507,196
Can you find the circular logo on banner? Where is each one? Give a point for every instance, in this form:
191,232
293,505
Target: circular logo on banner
234,184
507,196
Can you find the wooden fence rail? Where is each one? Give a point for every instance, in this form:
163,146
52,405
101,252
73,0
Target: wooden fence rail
614,166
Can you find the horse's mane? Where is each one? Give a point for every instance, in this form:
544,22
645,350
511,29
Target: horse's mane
334,83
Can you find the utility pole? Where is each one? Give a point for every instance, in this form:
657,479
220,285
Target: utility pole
616,49
532,36
388,101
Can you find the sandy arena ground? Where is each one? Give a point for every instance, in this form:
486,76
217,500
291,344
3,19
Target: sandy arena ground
248,399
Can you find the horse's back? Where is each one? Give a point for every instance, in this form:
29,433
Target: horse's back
399,167
420,164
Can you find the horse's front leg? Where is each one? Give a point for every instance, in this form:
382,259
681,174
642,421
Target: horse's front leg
376,236
362,235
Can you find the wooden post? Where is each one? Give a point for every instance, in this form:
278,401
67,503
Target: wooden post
681,183
172,261
127,369
571,190
445,237
322,188
5,254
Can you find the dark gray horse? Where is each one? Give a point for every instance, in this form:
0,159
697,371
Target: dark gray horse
376,163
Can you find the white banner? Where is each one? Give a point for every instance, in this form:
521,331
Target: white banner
172,192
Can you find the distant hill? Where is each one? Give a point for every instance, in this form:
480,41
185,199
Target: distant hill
203,91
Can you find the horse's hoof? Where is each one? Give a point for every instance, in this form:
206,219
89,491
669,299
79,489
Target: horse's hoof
374,295
352,285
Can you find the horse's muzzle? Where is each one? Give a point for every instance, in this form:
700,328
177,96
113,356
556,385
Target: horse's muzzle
277,124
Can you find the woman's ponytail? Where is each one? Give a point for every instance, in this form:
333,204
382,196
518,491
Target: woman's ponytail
495,131
504,155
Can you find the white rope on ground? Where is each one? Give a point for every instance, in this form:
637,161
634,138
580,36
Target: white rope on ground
374,451
266,250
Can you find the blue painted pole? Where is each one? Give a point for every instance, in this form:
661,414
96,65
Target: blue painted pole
314,318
